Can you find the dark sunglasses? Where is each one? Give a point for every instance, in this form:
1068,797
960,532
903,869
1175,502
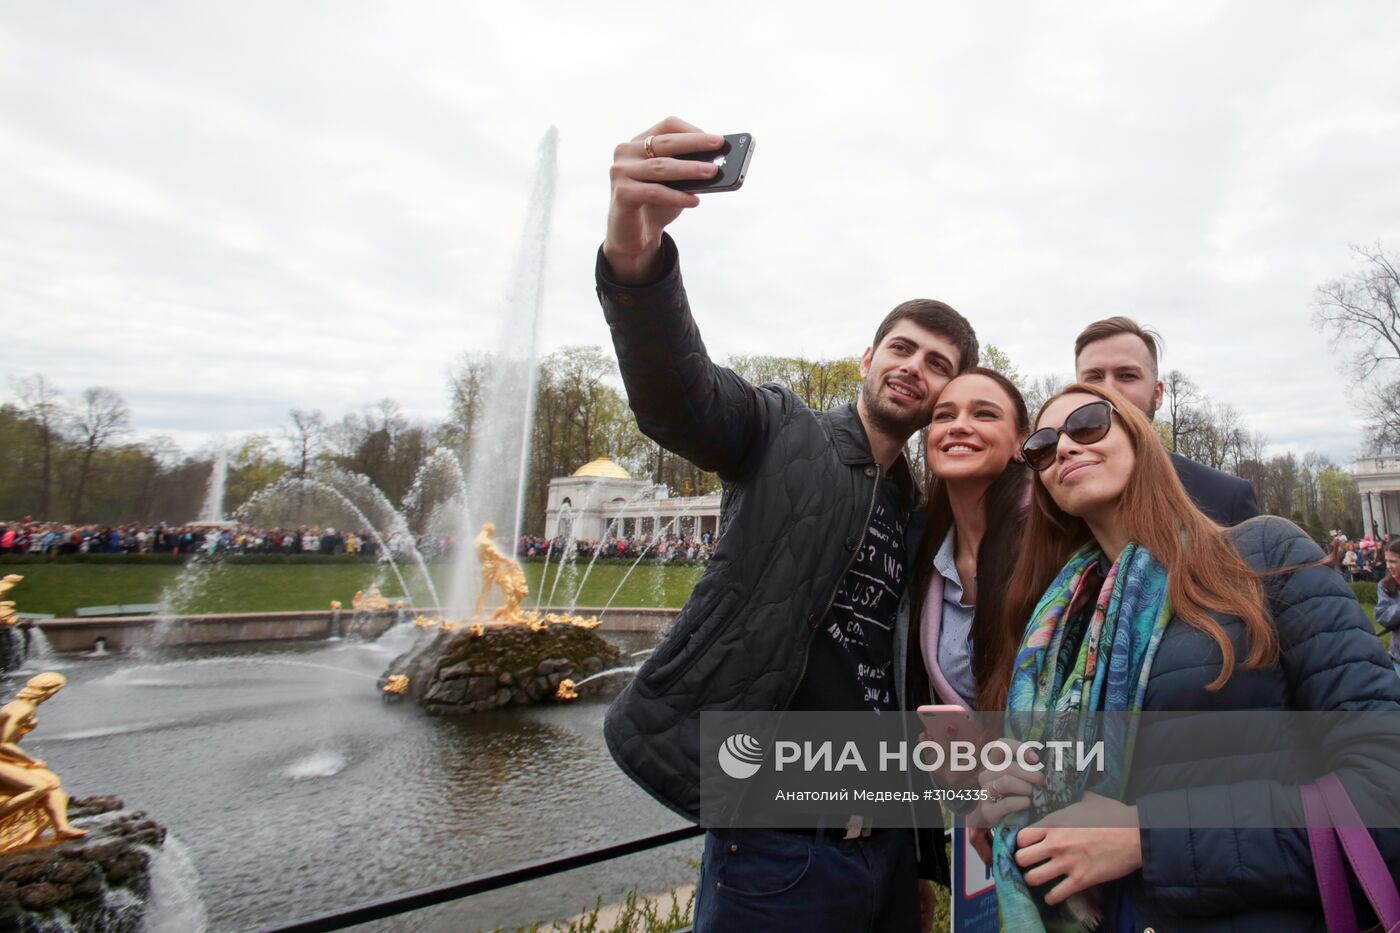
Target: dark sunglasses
1087,424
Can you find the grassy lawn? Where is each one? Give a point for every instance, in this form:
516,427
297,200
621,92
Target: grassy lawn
62,588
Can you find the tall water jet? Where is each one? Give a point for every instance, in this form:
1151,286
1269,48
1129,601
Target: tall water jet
213,509
500,443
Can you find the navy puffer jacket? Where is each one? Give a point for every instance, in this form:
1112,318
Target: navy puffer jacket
1249,879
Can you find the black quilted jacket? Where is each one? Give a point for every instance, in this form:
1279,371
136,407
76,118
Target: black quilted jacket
1214,879
799,489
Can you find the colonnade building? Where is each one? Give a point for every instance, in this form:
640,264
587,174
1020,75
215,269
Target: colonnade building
1378,481
601,500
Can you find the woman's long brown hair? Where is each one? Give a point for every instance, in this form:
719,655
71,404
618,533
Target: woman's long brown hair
1205,572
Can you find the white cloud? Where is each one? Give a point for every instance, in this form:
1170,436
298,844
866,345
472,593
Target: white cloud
311,207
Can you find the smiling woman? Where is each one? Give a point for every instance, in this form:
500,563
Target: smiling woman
974,518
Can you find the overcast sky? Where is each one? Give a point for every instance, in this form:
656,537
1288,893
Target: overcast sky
226,210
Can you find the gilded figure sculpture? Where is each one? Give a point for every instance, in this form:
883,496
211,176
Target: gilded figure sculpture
373,601
31,797
500,571
7,606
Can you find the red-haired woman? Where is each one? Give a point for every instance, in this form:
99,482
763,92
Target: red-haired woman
1138,602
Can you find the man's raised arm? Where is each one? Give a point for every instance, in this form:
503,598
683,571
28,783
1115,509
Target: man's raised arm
683,401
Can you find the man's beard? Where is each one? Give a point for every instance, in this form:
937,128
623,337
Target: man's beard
893,422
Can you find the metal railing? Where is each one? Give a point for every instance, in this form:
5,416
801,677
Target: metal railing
455,890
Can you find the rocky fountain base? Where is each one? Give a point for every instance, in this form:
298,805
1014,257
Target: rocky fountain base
101,881
484,666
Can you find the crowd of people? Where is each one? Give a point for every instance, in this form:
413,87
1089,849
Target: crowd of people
1358,561
28,537
669,548
54,539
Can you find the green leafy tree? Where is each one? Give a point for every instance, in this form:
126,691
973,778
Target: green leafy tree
252,466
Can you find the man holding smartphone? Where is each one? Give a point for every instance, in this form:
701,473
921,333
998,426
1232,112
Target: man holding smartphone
804,604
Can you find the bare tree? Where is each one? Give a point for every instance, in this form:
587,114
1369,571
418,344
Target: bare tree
1182,398
102,416
1361,313
1217,427
1251,446
42,405
1038,390
1361,310
1380,405
305,436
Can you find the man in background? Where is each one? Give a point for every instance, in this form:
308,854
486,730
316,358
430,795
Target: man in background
1121,354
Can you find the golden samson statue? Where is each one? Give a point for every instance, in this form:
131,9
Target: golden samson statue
500,571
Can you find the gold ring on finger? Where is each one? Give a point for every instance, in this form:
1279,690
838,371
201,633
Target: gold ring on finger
647,151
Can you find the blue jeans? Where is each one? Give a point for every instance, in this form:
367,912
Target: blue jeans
775,882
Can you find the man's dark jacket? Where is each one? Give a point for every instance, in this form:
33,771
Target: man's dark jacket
1225,499
799,490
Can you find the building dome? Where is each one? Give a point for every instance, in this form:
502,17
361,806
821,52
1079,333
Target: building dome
602,467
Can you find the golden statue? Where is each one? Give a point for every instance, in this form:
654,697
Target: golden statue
396,684
566,690
373,601
499,570
7,607
31,797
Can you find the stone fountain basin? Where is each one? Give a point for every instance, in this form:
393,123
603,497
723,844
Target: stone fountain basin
125,632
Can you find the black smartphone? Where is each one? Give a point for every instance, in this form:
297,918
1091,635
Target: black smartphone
732,159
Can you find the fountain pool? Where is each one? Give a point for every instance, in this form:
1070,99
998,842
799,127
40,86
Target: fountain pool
297,790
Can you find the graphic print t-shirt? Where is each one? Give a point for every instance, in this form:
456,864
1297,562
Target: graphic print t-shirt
851,662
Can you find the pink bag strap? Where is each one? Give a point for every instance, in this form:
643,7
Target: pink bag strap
1365,858
1331,871
1331,817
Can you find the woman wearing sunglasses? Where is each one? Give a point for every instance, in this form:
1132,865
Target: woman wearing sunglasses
1138,602
973,513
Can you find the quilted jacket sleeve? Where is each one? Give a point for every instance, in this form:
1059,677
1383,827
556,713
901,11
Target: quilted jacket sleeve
1332,662
1387,610
705,413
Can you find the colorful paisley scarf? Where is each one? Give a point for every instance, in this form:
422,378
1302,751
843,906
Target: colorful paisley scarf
1071,665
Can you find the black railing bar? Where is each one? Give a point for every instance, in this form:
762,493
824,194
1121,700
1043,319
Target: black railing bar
429,897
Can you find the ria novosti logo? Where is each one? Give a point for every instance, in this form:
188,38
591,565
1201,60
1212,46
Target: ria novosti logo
741,756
